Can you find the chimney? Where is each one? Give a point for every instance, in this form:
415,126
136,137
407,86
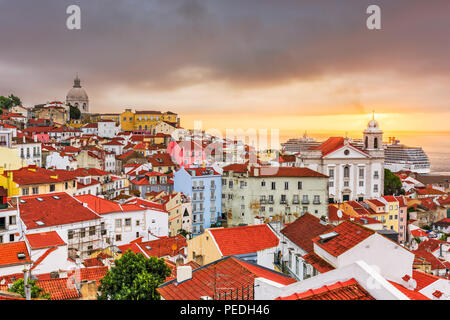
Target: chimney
184,273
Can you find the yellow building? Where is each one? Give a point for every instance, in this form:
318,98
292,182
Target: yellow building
34,180
145,120
392,212
10,159
202,249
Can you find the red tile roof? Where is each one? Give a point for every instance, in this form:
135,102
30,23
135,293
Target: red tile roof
44,240
436,263
222,276
349,235
52,212
241,240
304,229
35,175
59,289
164,246
424,279
318,263
103,206
347,290
9,252
413,295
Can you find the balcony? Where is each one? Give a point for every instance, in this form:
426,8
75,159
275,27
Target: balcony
295,201
305,201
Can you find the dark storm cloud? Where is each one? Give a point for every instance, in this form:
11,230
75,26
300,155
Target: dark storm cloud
146,45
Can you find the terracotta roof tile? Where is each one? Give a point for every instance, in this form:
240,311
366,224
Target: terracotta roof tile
44,240
241,240
304,229
9,253
235,275
349,235
347,290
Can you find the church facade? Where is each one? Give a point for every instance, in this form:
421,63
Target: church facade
356,171
78,97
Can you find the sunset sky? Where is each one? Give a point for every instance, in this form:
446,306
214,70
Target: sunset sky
292,65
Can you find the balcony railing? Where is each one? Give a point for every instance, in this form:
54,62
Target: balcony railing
305,201
262,201
295,201
283,201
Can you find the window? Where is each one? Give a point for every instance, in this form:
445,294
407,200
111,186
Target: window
1,239
70,234
286,185
331,173
12,220
299,185
263,183
361,183
331,184
82,233
316,200
273,185
92,231
375,175
297,265
25,191
346,172
361,173
128,222
118,237
67,185
118,223
52,187
137,222
11,237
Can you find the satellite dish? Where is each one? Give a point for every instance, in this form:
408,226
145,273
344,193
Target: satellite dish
339,214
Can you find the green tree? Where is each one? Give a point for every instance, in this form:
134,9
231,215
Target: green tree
75,113
15,101
134,277
5,103
36,292
9,102
392,184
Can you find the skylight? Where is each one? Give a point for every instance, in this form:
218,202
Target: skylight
39,199
39,223
328,236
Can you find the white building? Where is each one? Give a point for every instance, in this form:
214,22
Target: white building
107,128
127,222
28,149
356,172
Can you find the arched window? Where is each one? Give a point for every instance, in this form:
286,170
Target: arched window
367,142
375,143
346,172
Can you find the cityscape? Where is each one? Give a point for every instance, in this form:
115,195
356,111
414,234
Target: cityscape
214,163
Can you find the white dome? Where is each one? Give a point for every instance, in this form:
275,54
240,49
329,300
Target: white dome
77,93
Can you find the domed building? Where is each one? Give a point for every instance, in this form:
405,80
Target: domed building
78,97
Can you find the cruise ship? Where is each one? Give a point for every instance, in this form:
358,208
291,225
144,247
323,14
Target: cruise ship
297,145
399,157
